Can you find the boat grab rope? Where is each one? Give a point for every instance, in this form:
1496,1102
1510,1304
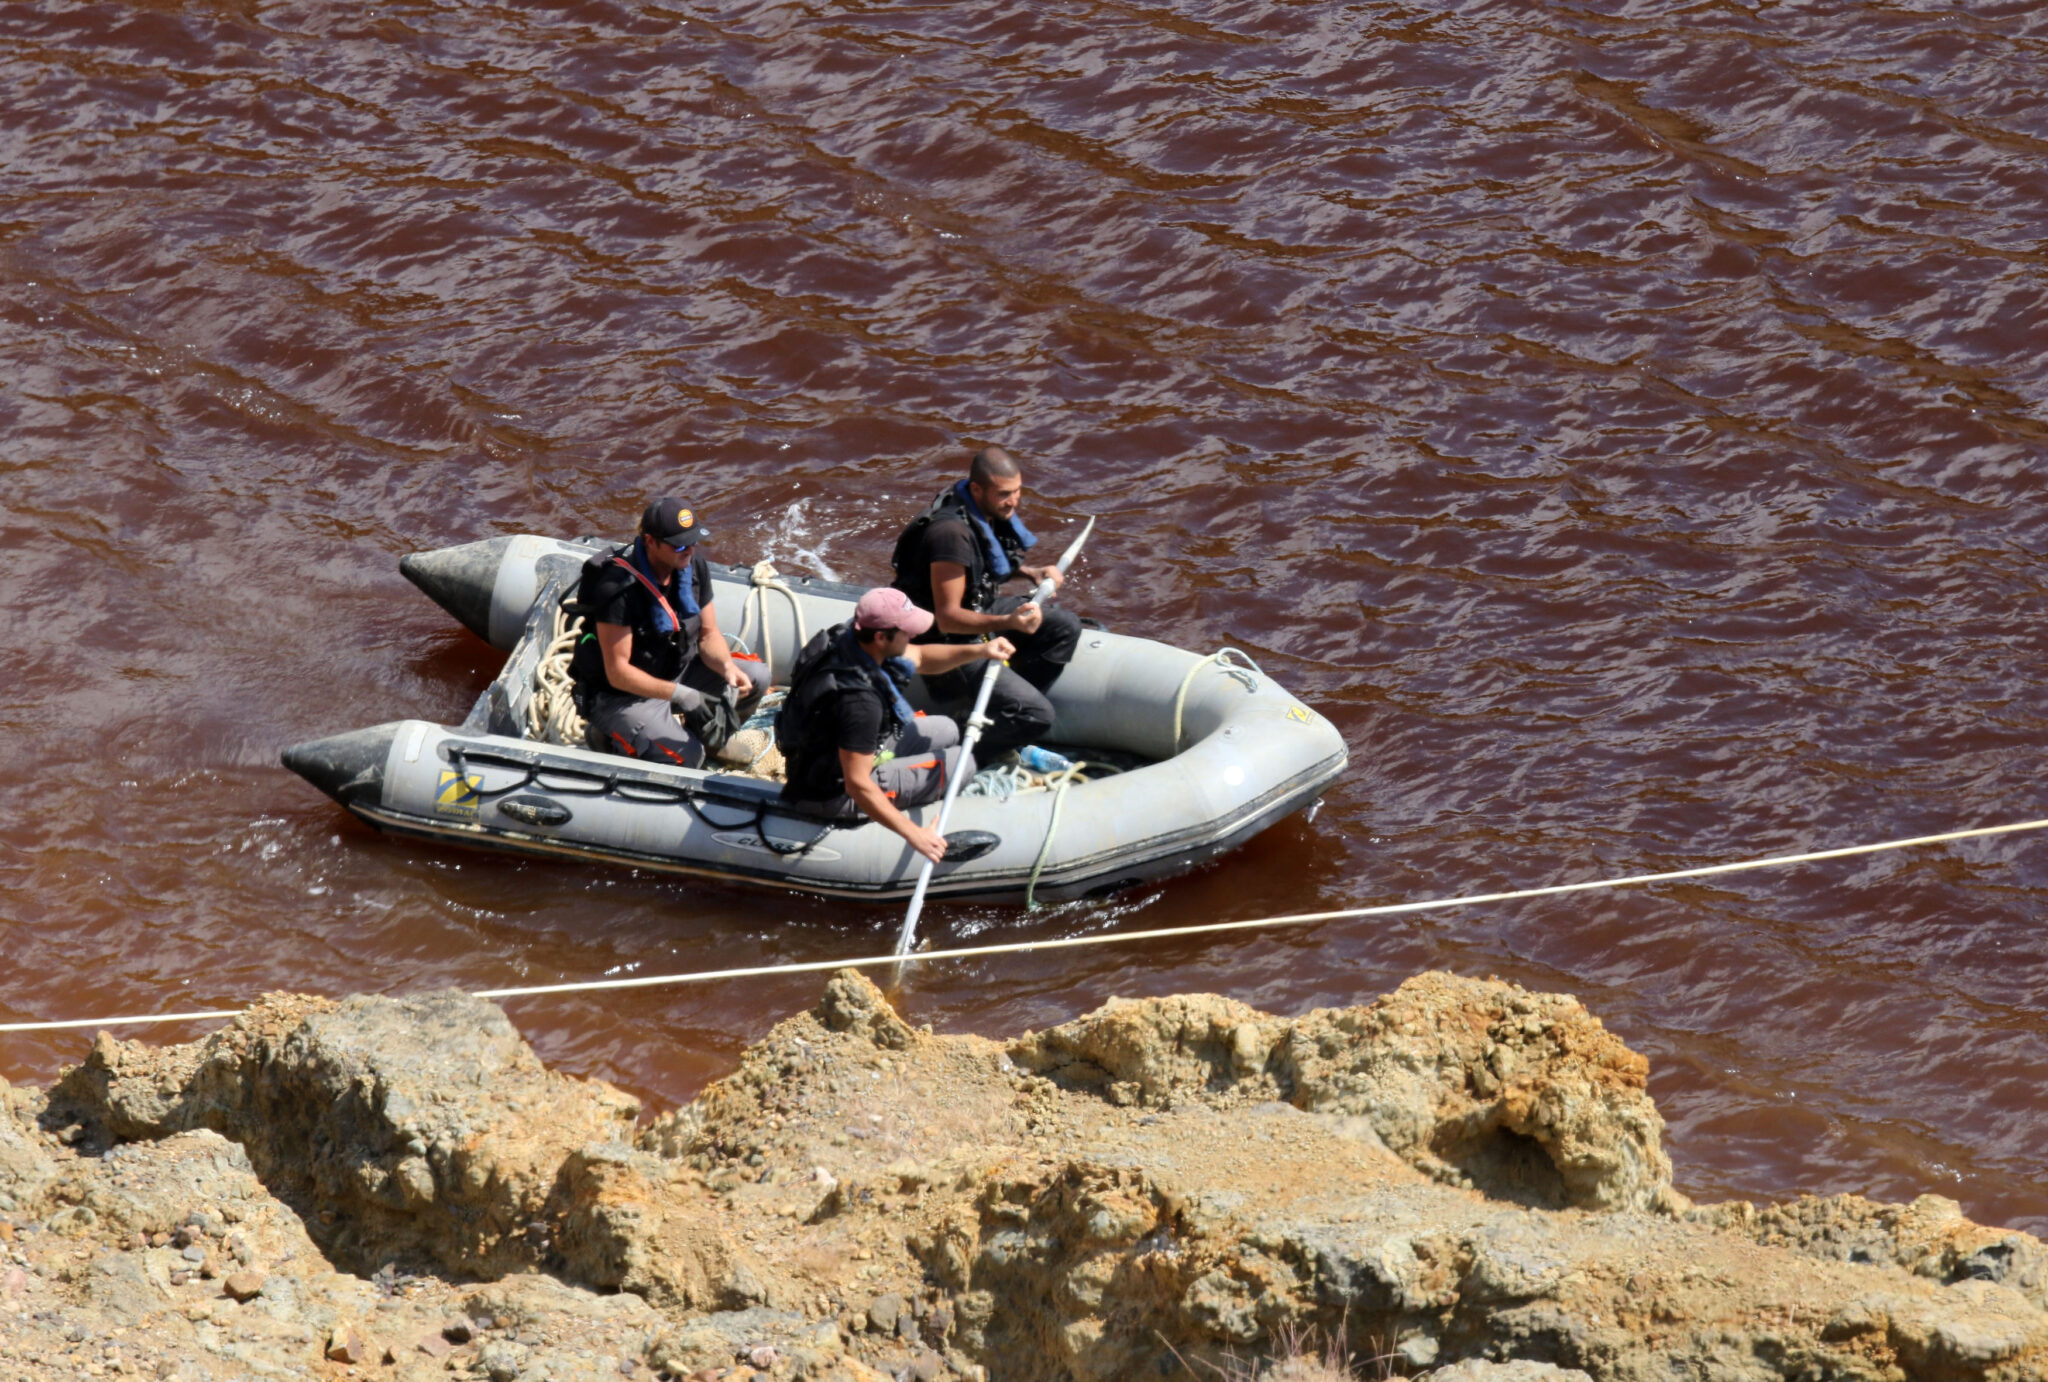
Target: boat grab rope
788,849
1124,937
564,780
1231,660
1059,782
764,579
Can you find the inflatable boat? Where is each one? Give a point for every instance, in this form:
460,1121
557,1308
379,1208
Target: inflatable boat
1210,751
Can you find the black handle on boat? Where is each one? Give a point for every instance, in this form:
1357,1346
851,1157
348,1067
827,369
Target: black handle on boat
977,719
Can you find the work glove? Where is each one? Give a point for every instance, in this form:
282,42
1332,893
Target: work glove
683,700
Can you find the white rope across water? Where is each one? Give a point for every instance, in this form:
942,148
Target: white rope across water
1130,937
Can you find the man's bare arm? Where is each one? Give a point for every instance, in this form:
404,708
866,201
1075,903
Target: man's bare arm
615,641
859,770
717,653
949,595
930,659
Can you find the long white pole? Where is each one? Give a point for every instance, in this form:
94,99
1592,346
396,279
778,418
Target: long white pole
977,720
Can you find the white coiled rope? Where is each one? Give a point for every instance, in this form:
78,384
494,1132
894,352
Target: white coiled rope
1001,782
551,714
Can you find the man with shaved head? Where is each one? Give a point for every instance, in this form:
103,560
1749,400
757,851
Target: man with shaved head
954,560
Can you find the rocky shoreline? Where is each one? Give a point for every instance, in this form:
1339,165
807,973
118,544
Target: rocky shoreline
1462,1179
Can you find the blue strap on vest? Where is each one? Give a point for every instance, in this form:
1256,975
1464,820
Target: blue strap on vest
889,678
686,589
998,559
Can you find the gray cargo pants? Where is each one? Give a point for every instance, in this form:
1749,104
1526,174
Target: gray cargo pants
640,727
928,755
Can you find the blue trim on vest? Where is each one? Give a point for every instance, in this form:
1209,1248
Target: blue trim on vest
998,560
889,677
686,586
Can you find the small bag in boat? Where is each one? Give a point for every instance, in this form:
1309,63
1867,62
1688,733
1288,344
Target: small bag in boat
725,712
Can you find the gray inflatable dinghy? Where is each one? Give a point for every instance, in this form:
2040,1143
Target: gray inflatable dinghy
1214,752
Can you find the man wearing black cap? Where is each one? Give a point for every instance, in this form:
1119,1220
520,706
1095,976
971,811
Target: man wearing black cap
654,660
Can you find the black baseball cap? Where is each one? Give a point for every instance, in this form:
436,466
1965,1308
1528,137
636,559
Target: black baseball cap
674,524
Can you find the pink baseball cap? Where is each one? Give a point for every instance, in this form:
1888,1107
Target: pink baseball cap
889,608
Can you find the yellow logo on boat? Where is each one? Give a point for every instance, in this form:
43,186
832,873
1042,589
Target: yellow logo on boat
457,795
1300,714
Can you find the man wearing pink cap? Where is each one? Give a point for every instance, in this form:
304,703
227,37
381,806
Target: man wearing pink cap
851,741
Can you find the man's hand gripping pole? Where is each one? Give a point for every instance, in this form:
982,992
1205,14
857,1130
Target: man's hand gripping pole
977,721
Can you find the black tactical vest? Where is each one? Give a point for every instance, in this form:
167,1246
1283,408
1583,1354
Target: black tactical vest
914,567
831,663
662,655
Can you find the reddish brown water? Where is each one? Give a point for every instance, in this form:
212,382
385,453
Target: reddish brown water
1626,428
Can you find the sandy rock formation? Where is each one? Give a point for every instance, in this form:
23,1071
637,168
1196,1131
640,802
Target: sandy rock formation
1929,1238
170,1259
422,1125
1477,1370
1462,1180
23,1166
1524,1095
630,1221
1189,1176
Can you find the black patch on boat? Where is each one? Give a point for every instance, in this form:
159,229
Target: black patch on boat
965,846
535,810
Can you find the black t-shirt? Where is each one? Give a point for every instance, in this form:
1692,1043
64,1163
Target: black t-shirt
951,539
610,594
858,722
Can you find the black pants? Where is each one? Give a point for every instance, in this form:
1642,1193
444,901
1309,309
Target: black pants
1018,711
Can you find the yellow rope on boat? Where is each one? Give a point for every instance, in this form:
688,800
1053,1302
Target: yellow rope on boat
1058,782
1245,670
